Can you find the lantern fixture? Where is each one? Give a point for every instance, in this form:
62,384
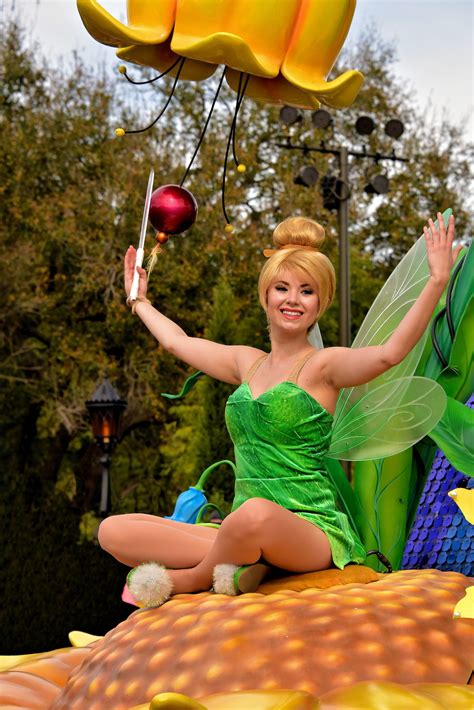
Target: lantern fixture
105,410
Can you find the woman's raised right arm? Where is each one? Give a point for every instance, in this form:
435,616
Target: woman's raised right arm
223,362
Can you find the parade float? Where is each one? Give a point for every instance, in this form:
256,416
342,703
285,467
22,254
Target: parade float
362,637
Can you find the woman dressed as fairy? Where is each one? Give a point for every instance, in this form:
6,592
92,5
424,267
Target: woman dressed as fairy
280,419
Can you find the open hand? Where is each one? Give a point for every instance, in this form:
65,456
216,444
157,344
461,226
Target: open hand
439,248
129,270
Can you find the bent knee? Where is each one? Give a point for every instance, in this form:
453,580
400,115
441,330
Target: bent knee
250,518
110,533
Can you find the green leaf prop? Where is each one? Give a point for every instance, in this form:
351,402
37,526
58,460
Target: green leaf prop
382,488
454,434
457,379
188,385
462,294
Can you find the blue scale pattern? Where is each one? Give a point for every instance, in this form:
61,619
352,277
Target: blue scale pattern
441,538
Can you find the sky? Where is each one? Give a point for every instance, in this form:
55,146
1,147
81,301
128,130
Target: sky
434,40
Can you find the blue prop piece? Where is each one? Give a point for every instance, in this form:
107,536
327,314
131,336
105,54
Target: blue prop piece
441,538
188,505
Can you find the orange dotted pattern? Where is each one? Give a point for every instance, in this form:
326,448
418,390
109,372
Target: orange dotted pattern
37,683
399,629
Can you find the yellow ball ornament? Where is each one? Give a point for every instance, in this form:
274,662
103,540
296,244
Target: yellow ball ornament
122,69
119,132
228,228
241,168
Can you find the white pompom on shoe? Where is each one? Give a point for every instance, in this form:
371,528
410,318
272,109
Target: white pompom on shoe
234,579
150,584
223,577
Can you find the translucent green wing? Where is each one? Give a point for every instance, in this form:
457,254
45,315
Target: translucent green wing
388,419
393,411
392,303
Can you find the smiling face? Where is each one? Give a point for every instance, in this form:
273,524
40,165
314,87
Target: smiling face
292,301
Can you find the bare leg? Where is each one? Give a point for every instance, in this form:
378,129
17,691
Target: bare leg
137,537
259,528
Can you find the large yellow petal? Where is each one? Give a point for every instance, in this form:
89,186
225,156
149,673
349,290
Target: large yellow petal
464,498
464,609
252,37
273,91
160,57
319,33
150,22
79,639
337,94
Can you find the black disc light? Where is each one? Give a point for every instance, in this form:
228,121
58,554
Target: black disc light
321,119
394,128
364,126
290,115
377,185
307,176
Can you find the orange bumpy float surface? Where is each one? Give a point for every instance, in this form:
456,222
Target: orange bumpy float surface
396,630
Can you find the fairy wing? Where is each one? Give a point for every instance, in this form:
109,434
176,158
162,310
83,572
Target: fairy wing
388,414
389,419
315,338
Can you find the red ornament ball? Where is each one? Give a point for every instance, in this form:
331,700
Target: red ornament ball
173,209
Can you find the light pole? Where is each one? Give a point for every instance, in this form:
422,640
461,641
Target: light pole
336,190
105,411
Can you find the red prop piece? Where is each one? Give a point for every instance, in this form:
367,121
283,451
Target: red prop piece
173,209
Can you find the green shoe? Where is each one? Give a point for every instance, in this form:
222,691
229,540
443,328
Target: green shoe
232,579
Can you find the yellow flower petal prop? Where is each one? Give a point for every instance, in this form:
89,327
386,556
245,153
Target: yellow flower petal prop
150,22
250,37
464,498
7,663
319,34
464,609
288,48
273,91
79,639
160,57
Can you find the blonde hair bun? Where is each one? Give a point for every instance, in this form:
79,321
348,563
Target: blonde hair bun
299,230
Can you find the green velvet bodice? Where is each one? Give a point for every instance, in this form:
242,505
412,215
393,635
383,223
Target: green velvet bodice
280,440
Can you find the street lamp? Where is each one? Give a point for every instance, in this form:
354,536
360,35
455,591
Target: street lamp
105,411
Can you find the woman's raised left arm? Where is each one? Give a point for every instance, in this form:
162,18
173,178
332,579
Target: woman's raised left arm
347,367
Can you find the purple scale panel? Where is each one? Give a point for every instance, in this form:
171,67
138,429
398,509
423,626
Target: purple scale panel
441,538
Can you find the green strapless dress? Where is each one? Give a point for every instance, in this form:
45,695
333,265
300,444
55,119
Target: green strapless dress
280,440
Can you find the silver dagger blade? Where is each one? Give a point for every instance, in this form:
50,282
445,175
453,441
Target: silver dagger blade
146,209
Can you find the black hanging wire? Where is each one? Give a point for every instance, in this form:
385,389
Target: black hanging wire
142,130
231,141
203,133
240,97
123,70
381,557
449,317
